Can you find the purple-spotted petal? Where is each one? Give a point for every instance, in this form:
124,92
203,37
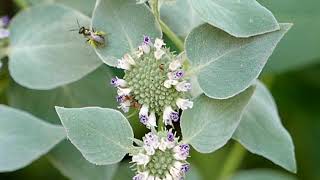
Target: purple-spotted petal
146,40
144,119
174,116
185,168
4,21
170,136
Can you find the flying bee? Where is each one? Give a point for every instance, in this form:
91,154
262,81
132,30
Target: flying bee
94,38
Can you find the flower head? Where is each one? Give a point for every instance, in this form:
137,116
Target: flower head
157,158
151,84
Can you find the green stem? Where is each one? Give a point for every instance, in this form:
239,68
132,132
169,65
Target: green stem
174,38
154,4
160,123
132,114
22,4
232,162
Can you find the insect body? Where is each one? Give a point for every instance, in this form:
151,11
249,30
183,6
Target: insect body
94,38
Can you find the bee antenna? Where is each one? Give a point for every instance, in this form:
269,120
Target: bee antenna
78,23
74,30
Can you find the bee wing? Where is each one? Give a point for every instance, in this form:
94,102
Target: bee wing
97,38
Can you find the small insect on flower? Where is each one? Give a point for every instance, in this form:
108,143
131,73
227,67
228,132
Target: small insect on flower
95,38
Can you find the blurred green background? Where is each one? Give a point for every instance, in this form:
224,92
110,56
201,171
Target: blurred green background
292,75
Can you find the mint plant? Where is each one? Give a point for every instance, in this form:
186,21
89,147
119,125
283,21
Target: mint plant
198,97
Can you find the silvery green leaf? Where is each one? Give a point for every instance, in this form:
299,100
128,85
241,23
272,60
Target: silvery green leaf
92,90
180,16
85,6
261,131
211,122
226,65
72,164
24,138
103,136
262,174
47,54
124,23
305,16
240,18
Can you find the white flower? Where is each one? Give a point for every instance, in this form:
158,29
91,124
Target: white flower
158,43
123,91
149,149
141,159
117,82
176,174
158,54
183,86
168,177
129,59
181,152
141,176
184,103
177,164
144,110
125,106
169,82
163,144
122,64
4,33
151,139
176,75
170,115
139,52
174,65
151,178
152,120
145,48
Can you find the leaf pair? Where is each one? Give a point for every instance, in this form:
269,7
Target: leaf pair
45,54
251,118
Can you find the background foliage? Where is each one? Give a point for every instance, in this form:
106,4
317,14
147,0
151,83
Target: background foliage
292,75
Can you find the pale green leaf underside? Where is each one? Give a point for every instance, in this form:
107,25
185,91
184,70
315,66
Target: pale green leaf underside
72,164
262,174
240,18
102,135
261,131
299,48
211,122
24,138
125,23
44,53
175,16
92,90
226,65
85,6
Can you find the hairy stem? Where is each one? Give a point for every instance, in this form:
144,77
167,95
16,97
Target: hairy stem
174,38
232,162
154,4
